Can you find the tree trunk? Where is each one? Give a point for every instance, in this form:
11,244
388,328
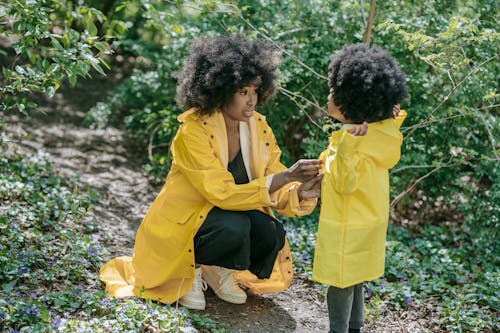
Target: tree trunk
370,22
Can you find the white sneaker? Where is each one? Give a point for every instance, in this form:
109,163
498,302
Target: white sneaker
222,282
194,298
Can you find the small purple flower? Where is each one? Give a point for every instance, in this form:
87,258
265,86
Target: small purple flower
92,251
408,300
105,302
56,322
369,291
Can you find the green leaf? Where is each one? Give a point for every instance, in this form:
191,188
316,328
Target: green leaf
72,79
91,27
8,287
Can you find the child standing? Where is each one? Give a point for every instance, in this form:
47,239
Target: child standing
365,85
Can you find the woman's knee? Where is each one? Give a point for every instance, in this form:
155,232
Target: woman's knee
236,230
265,230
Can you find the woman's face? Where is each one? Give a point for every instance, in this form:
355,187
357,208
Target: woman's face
242,105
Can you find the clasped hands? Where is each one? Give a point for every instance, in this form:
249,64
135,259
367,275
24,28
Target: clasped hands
307,171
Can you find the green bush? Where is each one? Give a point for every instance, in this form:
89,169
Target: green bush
49,259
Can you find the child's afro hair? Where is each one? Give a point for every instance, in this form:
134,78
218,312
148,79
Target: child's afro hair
366,83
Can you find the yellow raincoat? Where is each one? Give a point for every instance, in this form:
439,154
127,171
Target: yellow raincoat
350,244
162,266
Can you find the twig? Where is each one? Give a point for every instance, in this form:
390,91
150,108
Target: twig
472,72
489,107
281,34
414,183
151,146
269,39
293,94
438,120
292,97
363,14
406,167
490,135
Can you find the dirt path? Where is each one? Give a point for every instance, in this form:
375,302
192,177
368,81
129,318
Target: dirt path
101,159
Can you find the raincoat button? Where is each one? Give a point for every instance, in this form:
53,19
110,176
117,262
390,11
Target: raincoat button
201,216
287,258
267,143
190,250
265,131
211,136
204,123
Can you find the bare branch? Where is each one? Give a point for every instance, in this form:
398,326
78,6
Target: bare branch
472,72
490,135
269,39
414,183
406,167
284,33
307,101
293,96
363,14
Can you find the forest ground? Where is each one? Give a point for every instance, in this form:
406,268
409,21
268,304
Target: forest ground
103,159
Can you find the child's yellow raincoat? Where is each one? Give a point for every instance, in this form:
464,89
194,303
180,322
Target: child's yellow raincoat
162,266
350,245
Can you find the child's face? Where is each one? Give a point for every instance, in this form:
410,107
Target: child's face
334,110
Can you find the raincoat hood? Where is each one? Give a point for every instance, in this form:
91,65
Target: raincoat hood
378,144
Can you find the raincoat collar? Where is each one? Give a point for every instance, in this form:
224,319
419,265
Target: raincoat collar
248,138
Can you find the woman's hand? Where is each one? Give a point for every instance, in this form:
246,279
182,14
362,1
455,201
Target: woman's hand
301,171
311,189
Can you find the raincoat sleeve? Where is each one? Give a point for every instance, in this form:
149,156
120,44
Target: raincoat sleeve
344,167
197,159
286,199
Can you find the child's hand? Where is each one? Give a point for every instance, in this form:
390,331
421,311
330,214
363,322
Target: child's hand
359,130
395,110
311,189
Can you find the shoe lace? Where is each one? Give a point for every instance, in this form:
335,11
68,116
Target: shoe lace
199,283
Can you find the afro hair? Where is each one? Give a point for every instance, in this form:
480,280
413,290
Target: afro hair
366,83
217,67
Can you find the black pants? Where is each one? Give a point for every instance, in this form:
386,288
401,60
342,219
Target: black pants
239,240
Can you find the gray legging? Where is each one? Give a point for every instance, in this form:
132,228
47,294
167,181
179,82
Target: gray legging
345,308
